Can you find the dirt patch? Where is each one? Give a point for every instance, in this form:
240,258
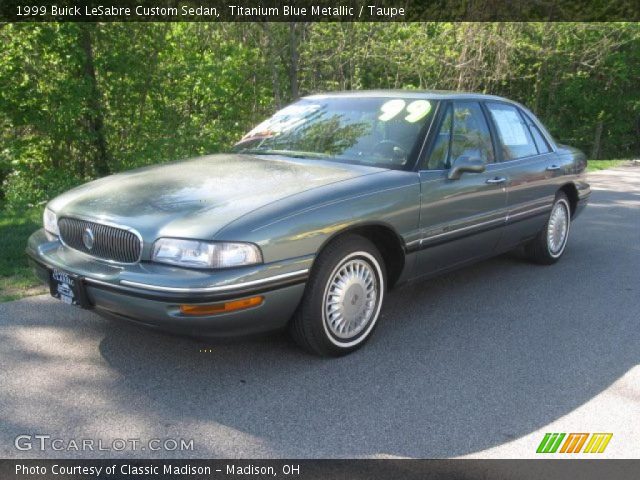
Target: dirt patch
8,294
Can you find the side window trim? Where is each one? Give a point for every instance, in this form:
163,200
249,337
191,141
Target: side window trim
424,139
529,123
450,108
529,118
479,102
543,130
525,121
430,141
495,140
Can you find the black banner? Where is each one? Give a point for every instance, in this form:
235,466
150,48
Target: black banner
319,469
319,10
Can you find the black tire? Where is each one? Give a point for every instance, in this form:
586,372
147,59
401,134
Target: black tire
309,326
539,249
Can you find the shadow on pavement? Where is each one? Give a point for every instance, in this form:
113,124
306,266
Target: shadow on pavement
458,364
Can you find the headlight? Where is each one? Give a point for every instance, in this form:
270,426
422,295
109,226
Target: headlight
50,222
197,254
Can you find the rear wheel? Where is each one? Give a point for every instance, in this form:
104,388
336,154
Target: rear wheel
342,299
551,241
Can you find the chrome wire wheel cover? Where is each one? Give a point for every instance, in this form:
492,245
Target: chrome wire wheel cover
558,228
352,298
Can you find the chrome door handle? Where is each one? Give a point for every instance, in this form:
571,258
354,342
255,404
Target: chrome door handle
552,168
496,180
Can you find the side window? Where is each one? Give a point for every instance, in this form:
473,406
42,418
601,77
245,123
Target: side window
438,158
541,143
471,135
515,138
463,132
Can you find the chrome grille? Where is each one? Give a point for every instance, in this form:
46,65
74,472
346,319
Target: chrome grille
109,243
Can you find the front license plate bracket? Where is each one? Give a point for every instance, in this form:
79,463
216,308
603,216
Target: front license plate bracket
68,288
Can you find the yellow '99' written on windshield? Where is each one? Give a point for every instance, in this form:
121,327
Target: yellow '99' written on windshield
415,110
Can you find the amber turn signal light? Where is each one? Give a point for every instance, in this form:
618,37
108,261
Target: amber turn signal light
222,307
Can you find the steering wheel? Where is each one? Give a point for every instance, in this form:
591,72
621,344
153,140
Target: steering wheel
389,148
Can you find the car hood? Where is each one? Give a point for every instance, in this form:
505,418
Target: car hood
195,198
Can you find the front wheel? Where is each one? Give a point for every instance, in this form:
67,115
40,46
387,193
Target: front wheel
551,241
342,299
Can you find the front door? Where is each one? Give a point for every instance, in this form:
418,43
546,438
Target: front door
461,219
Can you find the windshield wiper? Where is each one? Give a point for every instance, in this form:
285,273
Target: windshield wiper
284,153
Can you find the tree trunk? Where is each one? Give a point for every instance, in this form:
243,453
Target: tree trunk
595,152
293,66
463,61
637,142
159,43
272,48
96,119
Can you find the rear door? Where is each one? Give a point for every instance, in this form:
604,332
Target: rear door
460,219
526,159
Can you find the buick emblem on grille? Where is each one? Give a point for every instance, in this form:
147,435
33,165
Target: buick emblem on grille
87,238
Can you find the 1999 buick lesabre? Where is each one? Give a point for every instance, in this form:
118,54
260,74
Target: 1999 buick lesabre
315,214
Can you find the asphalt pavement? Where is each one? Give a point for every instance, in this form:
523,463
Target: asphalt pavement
481,362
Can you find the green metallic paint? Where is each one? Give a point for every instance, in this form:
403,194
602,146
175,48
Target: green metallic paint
196,198
291,208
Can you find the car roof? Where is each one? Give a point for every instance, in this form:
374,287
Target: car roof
423,94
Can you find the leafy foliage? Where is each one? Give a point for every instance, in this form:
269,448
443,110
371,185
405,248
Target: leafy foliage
82,100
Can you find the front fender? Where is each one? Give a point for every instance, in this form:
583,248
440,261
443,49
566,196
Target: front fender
301,225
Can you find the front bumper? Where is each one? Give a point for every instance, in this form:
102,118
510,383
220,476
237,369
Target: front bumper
151,294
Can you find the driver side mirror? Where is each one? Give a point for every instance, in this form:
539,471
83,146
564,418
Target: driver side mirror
465,165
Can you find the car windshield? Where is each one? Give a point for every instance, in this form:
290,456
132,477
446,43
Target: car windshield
376,131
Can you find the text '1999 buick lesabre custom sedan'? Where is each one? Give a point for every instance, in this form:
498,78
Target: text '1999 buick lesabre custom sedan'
316,213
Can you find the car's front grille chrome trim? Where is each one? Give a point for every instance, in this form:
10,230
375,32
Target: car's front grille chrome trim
111,243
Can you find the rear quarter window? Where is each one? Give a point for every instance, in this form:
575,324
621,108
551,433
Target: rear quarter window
541,143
